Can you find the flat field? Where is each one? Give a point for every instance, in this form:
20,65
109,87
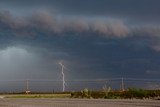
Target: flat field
38,96
67,102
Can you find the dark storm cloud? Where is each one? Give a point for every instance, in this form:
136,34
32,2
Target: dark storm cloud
44,23
49,24
96,39
106,17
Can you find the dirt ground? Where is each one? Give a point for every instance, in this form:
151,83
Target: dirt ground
40,102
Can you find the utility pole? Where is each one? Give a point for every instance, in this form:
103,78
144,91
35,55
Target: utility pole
27,87
122,84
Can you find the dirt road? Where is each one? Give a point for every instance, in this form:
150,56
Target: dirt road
18,102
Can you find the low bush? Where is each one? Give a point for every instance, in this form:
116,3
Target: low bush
130,93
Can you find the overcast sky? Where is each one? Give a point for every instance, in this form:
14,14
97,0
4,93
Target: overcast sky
93,38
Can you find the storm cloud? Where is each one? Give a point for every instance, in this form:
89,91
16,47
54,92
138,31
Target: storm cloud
48,23
43,21
94,39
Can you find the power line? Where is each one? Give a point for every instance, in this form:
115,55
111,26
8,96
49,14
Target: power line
83,80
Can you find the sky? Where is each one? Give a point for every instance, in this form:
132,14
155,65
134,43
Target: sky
94,39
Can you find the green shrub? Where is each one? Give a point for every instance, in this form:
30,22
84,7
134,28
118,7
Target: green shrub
86,93
108,94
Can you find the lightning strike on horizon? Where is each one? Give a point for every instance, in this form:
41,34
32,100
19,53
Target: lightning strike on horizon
63,77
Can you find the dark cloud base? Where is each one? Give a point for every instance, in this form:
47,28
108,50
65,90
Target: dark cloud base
98,58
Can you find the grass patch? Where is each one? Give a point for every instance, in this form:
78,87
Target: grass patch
39,96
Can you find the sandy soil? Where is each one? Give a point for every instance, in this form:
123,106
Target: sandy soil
17,102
